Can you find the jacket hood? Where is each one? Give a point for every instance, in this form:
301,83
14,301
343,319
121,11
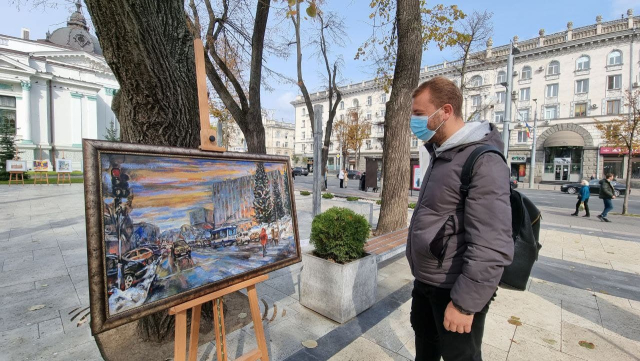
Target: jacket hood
472,133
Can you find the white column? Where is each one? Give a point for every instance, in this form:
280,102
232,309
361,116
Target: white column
25,125
90,118
76,119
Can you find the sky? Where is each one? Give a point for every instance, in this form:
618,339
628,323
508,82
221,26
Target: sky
510,17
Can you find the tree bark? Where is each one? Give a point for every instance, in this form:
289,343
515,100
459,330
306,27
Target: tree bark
150,51
396,148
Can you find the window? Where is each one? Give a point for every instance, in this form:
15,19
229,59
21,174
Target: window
553,68
286,135
355,103
476,81
278,144
414,142
286,144
380,129
613,107
615,58
8,110
278,134
614,167
635,170
501,97
368,115
304,148
583,63
552,90
614,82
526,73
383,112
525,93
580,110
502,77
551,112
368,144
302,135
304,111
342,105
523,136
476,100
383,98
277,152
475,117
303,123
341,116
523,115
582,86
498,117
369,100
330,146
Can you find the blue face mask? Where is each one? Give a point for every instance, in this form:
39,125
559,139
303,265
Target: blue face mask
419,126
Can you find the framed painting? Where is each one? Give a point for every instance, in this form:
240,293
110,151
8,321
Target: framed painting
63,165
166,225
16,166
41,165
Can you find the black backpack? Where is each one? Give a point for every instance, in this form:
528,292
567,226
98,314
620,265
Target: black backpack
525,223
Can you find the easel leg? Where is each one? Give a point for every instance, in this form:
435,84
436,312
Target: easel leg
218,325
257,322
195,332
180,346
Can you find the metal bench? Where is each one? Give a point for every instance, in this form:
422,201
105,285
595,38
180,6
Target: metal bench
387,245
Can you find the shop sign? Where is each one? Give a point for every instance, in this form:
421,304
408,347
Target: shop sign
518,159
562,160
617,150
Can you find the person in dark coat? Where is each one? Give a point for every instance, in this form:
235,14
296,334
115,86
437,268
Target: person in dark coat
583,198
363,186
457,256
607,194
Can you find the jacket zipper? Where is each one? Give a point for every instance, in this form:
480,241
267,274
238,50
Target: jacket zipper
445,244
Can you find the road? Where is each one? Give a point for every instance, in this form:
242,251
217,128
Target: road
542,198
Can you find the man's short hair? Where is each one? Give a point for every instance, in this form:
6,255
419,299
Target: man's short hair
443,91
609,175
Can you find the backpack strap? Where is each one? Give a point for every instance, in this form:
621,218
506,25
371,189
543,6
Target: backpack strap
467,168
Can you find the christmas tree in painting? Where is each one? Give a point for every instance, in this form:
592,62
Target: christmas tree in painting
277,197
262,202
287,199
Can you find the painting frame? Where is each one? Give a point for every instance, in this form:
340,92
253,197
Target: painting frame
60,167
41,165
92,149
10,163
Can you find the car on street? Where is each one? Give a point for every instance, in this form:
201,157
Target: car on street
513,182
157,250
133,272
181,249
300,171
594,187
354,174
143,254
243,238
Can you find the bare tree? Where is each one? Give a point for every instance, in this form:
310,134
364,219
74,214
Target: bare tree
223,31
624,132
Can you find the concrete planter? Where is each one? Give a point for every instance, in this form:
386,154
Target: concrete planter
337,291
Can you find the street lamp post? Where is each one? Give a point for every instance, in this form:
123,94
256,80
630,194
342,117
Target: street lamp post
317,159
507,109
532,170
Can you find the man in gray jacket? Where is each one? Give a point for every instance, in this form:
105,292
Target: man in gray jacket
457,247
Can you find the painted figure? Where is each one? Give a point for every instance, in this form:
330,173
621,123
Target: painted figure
263,241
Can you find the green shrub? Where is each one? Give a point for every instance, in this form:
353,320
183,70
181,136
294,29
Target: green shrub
379,202
305,193
412,205
327,196
339,234
352,199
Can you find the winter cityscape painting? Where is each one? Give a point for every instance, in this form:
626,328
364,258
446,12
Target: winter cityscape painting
175,225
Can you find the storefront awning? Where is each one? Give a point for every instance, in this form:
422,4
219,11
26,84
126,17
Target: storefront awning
564,138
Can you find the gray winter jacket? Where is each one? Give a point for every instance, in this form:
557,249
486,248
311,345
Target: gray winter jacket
456,244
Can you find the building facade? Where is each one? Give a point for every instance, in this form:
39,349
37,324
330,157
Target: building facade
279,136
569,81
56,91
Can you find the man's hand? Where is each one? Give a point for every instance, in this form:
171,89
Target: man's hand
455,321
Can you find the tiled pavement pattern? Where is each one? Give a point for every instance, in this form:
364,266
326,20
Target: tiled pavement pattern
586,288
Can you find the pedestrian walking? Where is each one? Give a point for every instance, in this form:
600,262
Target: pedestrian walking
363,183
607,195
457,256
341,177
263,241
583,199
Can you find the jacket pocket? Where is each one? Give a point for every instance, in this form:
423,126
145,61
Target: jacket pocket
438,246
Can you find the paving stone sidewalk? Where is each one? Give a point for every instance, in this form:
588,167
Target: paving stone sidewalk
586,287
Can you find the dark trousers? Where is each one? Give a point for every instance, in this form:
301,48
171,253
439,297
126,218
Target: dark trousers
586,206
608,206
432,340
341,183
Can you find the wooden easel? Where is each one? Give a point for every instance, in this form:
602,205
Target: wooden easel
208,143
41,177
15,179
66,176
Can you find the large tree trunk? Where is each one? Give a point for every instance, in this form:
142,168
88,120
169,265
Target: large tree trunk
396,148
150,51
